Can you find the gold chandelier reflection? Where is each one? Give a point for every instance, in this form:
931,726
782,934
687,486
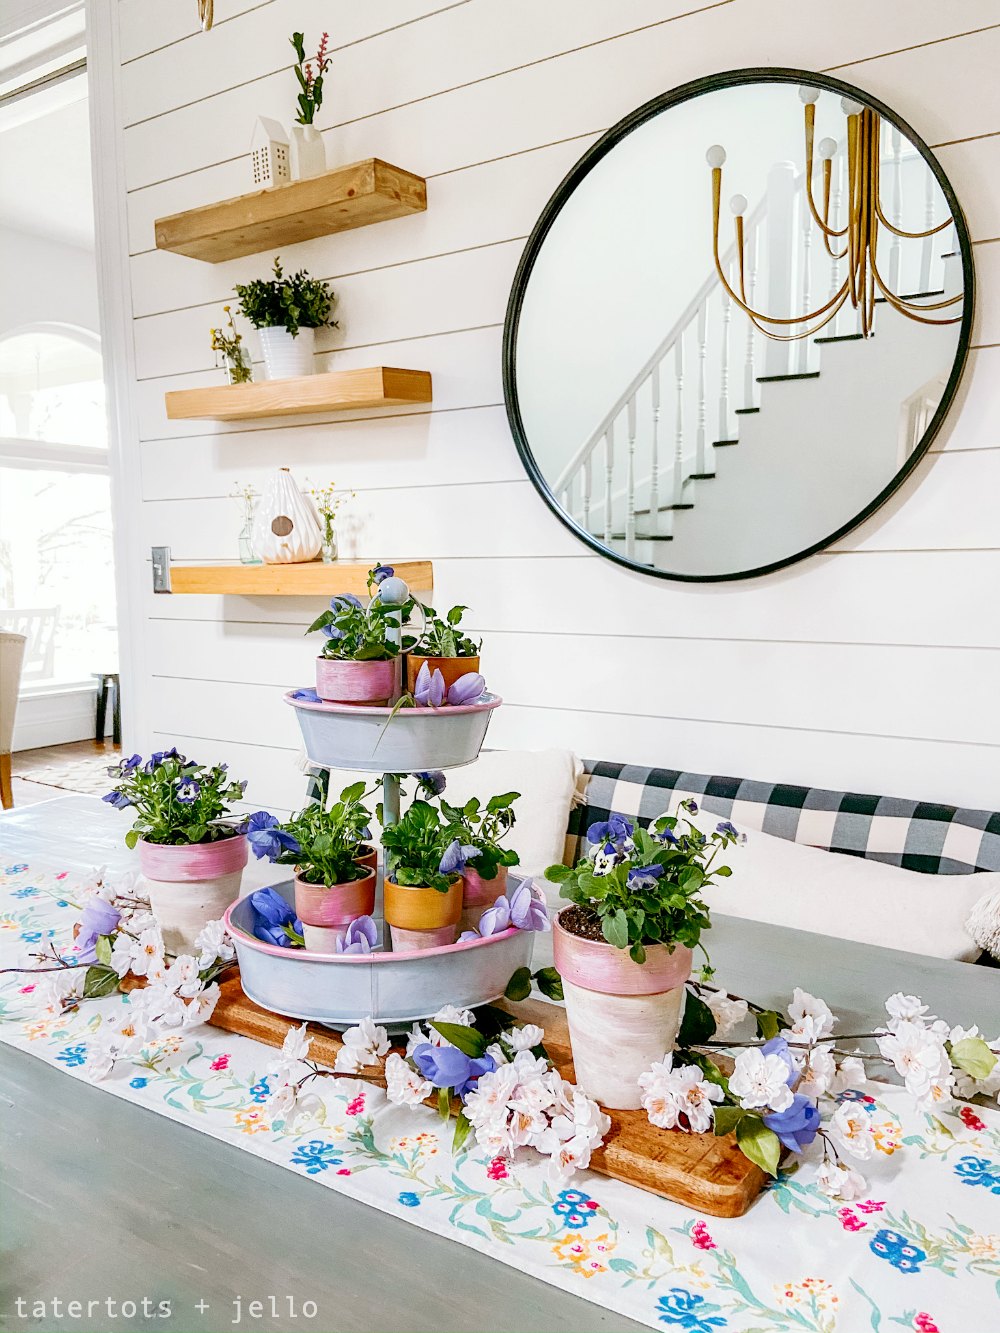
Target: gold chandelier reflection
863,281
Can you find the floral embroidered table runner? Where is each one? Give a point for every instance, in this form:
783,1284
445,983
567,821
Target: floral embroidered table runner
920,1251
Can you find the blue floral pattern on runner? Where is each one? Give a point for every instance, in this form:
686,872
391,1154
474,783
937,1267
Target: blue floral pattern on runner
898,1250
689,1311
316,1156
979,1171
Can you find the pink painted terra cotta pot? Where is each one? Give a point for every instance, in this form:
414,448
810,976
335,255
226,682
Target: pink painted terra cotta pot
334,904
623,1016
191,884
355,682
478,894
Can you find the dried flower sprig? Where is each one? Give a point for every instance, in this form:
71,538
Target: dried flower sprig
230,343
310,76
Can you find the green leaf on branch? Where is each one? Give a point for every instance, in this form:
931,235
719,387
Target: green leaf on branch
698,1023
760,1144
973,1057
549,982
131,838
468,1040
99,982
519,986
768,1024
727,1118
444,1103
556,874
103,949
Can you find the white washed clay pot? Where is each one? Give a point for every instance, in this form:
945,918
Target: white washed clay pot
191,885
286,357
308,152
623,1016
286,529
478,894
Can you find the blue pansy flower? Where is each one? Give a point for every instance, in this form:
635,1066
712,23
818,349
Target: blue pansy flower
644,877
898,1250
408,1199
456,854
138,1082
979,1171
118,799
382,572
274,920
344,601
187,790
266,836
615,829
448,1067
797,1125
307,695
73,1056
316,1156
689,1311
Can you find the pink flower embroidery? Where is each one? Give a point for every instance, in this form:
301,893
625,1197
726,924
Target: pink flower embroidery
220,1062
344,1171
357,1105
923,1323
700,1237
497,1169
871,1205
970,1120
26,990
849,1220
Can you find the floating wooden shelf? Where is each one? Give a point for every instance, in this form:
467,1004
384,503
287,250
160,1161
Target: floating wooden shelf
314,579
336,391
352,196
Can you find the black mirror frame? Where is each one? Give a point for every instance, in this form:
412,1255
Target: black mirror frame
593,155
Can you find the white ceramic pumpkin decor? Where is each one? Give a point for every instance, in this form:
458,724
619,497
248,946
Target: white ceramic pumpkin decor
287,530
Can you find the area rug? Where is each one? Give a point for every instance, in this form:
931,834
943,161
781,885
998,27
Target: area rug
88,775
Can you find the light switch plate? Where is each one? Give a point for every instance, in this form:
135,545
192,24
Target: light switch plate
161,568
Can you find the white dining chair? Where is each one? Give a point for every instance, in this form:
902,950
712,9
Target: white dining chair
11,658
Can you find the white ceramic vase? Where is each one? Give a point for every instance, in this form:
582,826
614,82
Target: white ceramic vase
286,526
308,152
286,357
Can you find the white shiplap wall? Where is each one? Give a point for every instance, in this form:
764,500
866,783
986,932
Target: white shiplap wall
873,666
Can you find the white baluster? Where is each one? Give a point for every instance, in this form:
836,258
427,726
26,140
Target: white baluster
630,482
896,247
586,491
836,242
679,425
701,465
804,345
749,378
927,245
609,468
654,463
727,314
780,261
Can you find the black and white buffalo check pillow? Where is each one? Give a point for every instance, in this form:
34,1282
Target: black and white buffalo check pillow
933,839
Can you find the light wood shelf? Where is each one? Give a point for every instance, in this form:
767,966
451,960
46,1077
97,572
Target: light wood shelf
314,579
335,391
351,196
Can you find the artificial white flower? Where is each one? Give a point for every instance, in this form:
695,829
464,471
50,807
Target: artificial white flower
122,953
760,1080
363,1048
147,954
850,1073
213,944
294,1050
122,1033
201,1008
840,1182
182,976
403,1085
496,1051
139,920
905,1009
415,1037
819,1069
281,1102
669,1093
54,990
161,1005
812,1019
487,1103
571,1155
728,1013
850,1129
523,1039
919,1056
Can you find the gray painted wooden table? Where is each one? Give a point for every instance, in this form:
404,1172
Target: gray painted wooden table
102,1199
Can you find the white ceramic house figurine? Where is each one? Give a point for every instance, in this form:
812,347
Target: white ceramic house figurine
286,528
269,154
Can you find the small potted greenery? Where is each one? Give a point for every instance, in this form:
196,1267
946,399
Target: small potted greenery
358,661
624,946
332,886
442,646
287,311
423,881
191,848
483,827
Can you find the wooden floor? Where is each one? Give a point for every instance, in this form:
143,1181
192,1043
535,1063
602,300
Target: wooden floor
25,762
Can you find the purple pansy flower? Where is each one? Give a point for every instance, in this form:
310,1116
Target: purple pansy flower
467,689
448,1067
98,918
187,790
468,935
332,632
613,830
429,689
797,1125
644,877
382,572
118,799
528,912
433,781
496,918
274,920
266,837
361,936
456,854
344,600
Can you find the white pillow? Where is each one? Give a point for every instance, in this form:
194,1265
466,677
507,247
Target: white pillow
808,888
546,780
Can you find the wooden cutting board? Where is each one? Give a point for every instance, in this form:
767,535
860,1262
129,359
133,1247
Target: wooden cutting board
701,1171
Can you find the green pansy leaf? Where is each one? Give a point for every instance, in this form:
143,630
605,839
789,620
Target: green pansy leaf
615,929
131,838
973,1057
760,1144
549,983
519,986
556,874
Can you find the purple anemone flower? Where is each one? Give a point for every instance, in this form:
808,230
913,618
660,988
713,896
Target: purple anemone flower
98,918
448,1067
118,799
467,689
274,920
382,572
456,854
429,689
361,936
188,790
797,1125
495,919
266,836
433,782
527,911
644,877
